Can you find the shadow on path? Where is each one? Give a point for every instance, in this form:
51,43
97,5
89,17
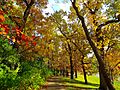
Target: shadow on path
56,83
80,82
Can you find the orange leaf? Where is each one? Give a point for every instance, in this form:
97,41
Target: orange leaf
2,19
0,33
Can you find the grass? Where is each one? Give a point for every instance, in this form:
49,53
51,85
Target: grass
117,85
93,82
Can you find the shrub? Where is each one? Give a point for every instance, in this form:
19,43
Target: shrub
20,75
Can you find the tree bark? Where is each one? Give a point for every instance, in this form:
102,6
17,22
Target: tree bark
103,85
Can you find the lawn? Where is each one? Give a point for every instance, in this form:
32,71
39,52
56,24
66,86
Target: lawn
93,82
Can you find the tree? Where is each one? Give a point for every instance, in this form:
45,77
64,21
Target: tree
98,56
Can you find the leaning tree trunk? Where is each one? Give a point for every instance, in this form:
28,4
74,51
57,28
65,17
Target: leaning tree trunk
103,85
94,48
99,58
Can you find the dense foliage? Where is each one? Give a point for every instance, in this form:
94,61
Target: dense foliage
33,42
20,75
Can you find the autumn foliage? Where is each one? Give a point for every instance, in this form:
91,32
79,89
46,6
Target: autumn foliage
17,35
86,39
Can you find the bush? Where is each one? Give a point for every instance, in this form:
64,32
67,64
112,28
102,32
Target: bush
16,75
33,74
9,65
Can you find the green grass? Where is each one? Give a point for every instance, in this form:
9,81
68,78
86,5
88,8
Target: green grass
117,85
93,82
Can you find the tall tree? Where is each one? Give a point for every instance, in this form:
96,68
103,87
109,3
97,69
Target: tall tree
85,28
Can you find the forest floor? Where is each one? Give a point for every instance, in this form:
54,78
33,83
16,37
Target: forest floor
60,83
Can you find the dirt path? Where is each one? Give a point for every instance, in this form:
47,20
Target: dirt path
55,83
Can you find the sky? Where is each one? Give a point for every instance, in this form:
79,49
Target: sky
56,5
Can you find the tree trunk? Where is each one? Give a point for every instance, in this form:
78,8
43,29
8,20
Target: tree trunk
63,72
84,72
71,68
100,61
71,62
94,48
103,85
60,72
67,74
75,73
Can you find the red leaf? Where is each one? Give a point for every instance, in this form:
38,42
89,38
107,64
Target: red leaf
26,43
23,37
34,43
6,28
33,37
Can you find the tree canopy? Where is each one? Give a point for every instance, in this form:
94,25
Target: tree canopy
84,39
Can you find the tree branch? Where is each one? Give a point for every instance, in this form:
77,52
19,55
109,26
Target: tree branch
106,23
26,2
116,65
11,18
26,13
77,47
110,46
91,11
66,48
